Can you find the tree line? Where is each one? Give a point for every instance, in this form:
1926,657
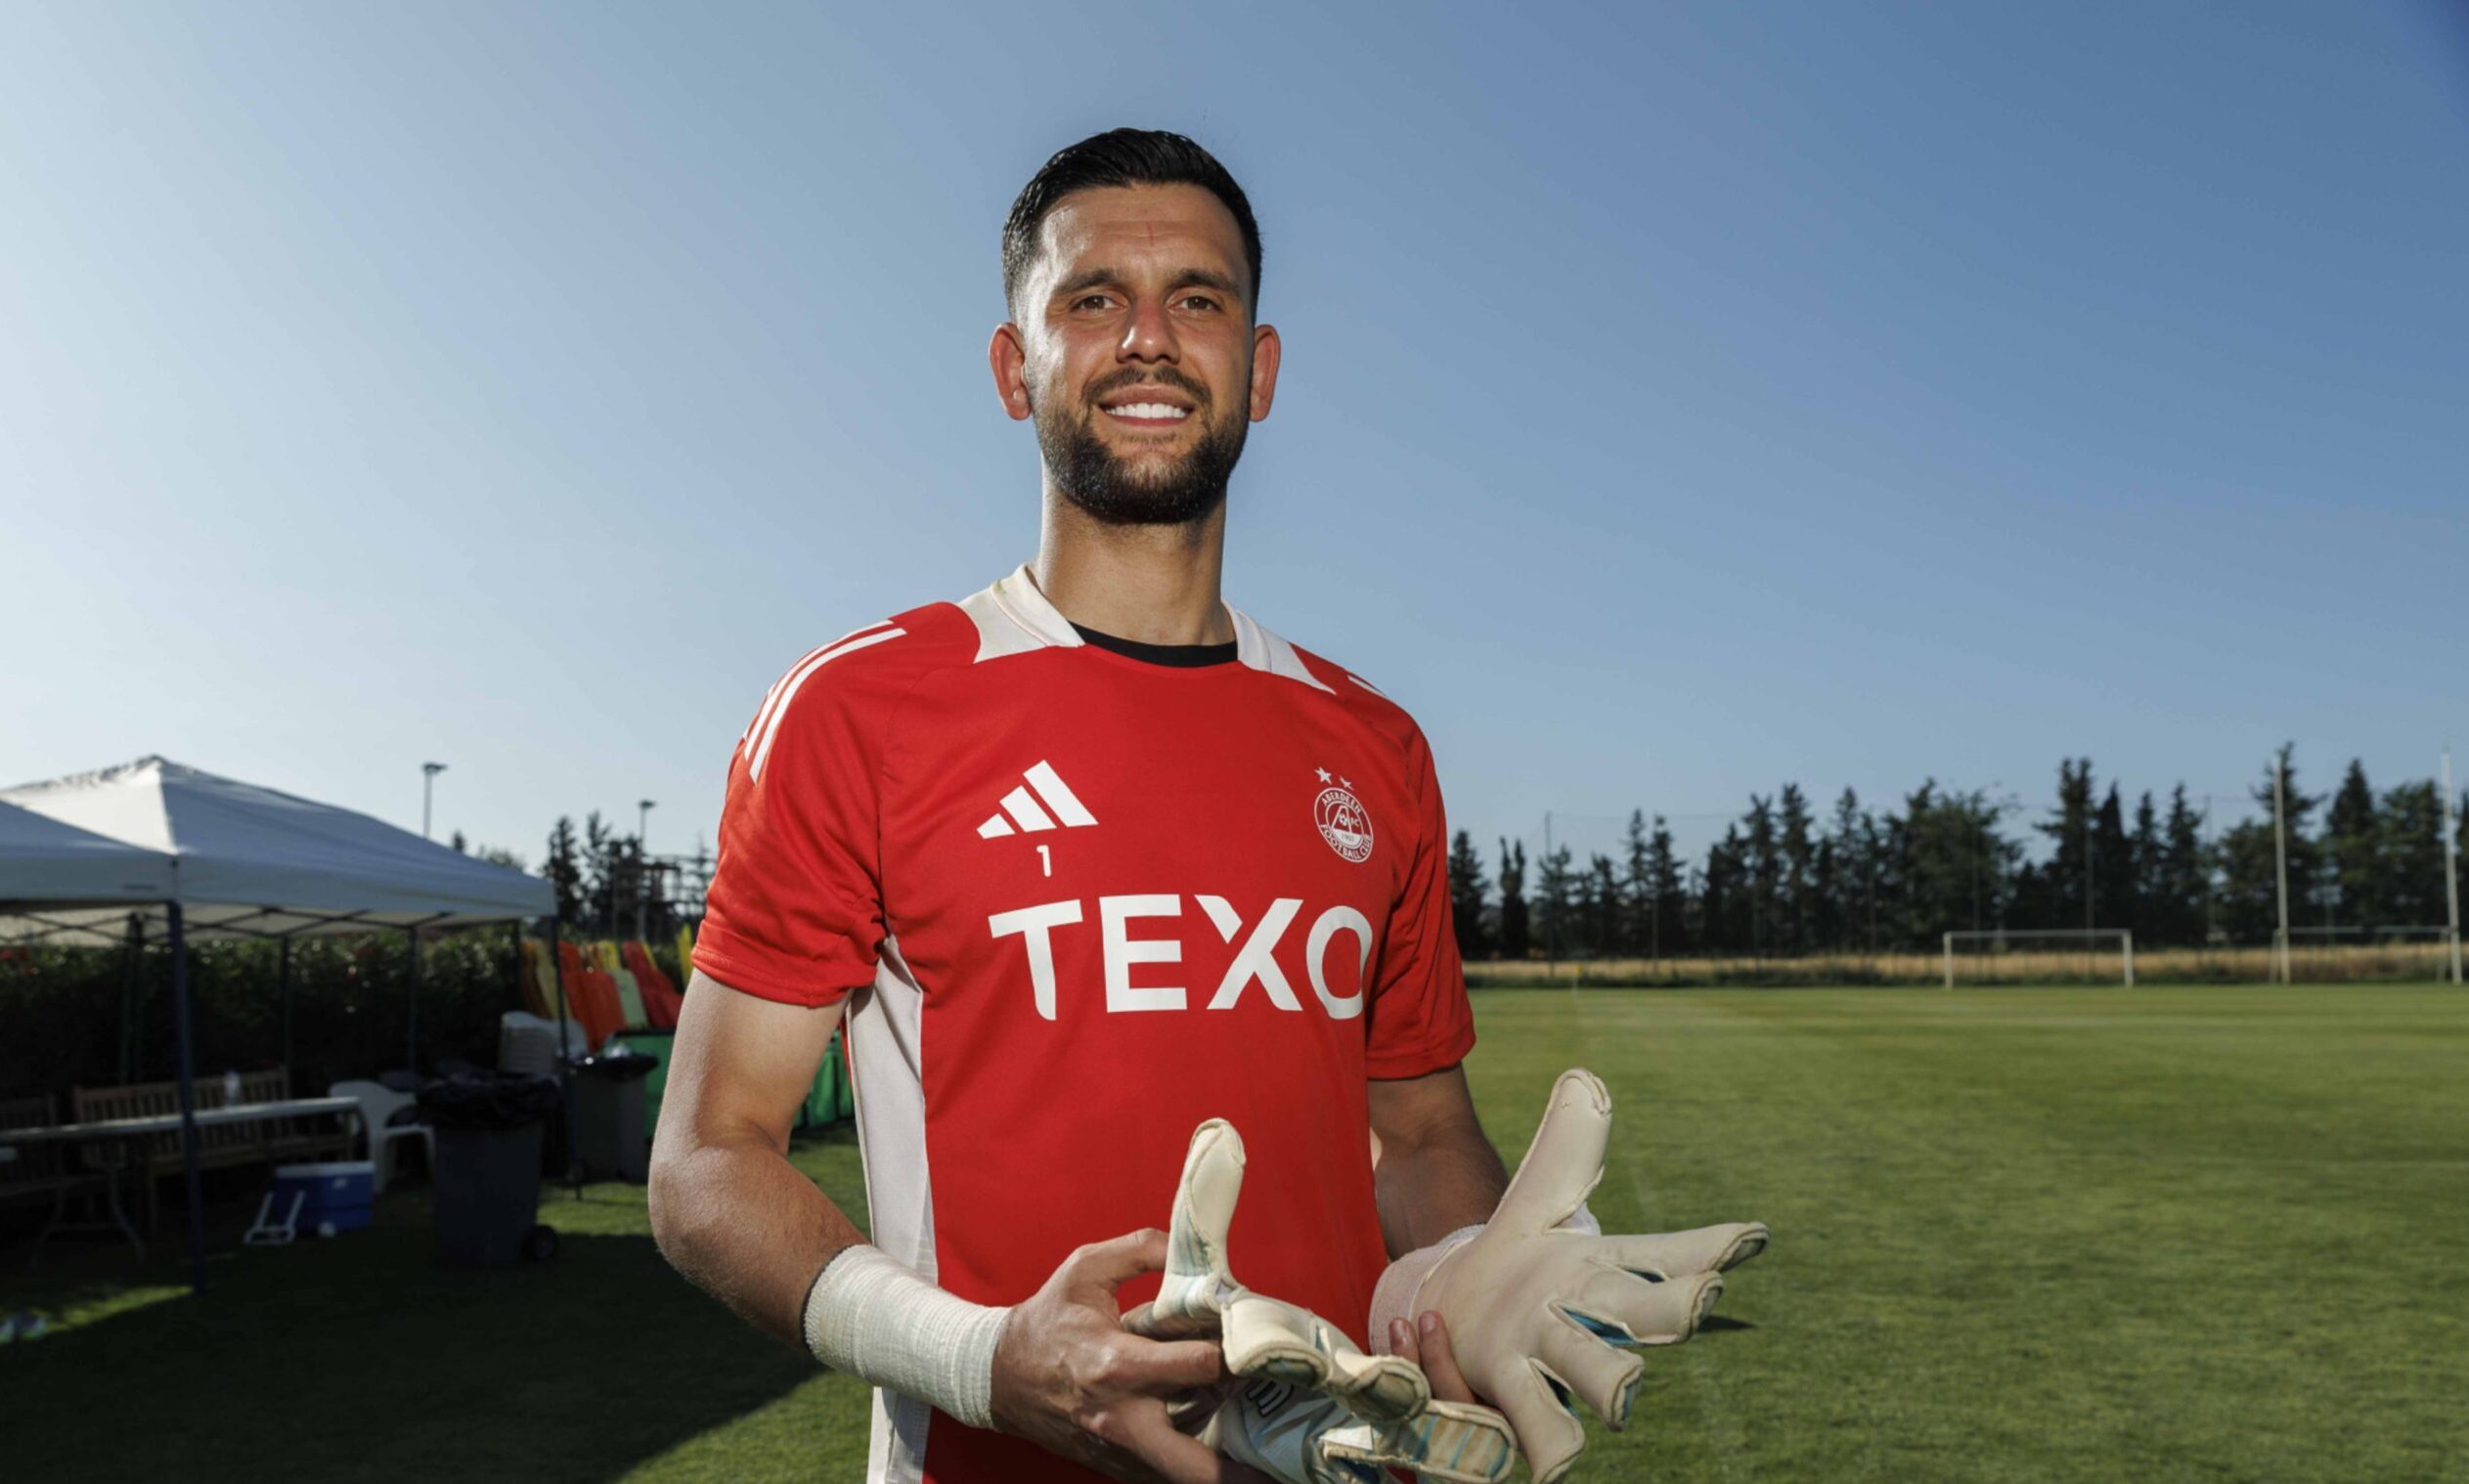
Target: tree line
1783,880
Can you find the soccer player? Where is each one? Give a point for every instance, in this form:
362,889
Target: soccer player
1079,861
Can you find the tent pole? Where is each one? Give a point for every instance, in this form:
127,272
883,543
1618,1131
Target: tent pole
284,976
565,1075
188,1101
132,960
411,1021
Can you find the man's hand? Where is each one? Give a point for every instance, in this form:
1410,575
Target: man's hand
1313,1409
1527,1305
1068,1378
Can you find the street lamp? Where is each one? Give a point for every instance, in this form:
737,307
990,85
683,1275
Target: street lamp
643,851
429,780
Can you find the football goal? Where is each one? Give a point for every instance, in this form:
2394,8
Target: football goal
1992,955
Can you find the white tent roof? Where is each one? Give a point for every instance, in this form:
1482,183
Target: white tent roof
246,861
42,859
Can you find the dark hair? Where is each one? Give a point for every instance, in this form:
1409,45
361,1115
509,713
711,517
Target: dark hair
1121,157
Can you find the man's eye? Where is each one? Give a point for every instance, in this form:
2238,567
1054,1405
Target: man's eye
1199,301
1090,301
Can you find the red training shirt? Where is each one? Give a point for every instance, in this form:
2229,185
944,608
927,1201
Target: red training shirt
1080,903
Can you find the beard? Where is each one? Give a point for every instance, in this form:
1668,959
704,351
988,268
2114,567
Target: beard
1119,492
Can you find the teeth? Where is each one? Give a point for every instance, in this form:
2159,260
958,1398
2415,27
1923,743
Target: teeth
1149,410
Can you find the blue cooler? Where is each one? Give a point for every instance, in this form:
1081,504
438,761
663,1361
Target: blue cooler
338,1193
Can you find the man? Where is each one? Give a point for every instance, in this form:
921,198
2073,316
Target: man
1086,860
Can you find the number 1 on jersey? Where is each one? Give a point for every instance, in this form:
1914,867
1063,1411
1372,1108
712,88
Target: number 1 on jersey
1047,858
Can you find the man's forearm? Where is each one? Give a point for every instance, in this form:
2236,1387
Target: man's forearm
744,1225
1428,1187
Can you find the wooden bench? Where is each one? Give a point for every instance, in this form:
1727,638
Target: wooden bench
40,1171
271,1142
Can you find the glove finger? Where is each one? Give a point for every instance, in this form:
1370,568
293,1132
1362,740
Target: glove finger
1565,1160
1602,1378
1277,1341
1549,1435
1382,1387
1652,1313
1455,1442
1152,1323
1197,1284
1677,1255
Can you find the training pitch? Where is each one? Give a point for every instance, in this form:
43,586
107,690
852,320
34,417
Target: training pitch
2097,1234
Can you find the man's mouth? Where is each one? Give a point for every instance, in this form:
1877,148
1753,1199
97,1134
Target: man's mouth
1146,408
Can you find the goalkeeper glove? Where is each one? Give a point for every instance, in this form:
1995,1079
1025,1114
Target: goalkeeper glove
1306,1406
1535,1309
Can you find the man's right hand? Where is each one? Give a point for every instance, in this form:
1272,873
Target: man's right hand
1071,1379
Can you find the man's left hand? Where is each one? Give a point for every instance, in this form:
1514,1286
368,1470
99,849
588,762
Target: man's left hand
1523,1308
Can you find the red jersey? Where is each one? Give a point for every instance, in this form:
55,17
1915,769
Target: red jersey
1079,903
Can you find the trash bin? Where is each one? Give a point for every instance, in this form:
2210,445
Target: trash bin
487,1180
609,1140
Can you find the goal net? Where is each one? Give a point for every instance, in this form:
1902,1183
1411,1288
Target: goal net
2005,956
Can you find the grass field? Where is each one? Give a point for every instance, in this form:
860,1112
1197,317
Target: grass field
2044,1235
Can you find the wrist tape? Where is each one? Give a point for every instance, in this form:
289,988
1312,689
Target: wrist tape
882,1323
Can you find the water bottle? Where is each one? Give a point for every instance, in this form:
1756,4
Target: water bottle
231,1088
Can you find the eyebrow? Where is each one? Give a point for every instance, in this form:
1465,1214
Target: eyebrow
1101,277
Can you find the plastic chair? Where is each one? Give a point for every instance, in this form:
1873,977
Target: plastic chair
379,1103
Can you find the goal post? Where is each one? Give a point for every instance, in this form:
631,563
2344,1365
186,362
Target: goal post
2037,950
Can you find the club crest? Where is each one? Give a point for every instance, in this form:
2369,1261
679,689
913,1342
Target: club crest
1344,823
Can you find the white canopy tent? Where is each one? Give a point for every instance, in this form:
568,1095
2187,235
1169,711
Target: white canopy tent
246,861
93,860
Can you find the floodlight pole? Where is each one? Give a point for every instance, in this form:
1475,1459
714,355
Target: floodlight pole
2451,865
2280,852
428,779
642,870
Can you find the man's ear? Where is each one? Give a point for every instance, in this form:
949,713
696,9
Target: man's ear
1265,350
1008,358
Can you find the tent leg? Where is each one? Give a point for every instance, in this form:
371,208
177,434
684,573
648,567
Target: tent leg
284,976
188,1101
565,1076
411,1019
132,963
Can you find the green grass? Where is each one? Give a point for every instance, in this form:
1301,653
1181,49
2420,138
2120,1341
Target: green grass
2044,1235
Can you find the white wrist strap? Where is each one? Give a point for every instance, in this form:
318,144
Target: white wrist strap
1401,1284
883,1324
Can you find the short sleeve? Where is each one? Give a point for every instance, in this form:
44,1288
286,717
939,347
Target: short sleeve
795,910
1419,1018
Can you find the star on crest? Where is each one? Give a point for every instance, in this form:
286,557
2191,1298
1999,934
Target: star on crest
1346,783
1323,772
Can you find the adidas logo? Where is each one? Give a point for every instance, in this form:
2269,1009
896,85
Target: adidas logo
1025,810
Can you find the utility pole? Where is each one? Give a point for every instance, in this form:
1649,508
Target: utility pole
2280,852
428,781
2452,865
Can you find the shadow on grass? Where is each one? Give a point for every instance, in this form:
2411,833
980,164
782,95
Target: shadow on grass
361,1357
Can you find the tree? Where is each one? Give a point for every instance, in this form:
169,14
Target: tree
1636,889
1467,890
2069,878
1765,861
564,871
1603,915
2408,880
1798,855
2249,876
2185,892
2353,839
1513,936
1855,841
2113,866
1556,901
1666,921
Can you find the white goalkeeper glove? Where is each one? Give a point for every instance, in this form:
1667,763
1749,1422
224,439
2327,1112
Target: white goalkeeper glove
1535,1309
1306,1406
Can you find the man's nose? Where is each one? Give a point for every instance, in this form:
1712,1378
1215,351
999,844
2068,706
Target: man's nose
1148,335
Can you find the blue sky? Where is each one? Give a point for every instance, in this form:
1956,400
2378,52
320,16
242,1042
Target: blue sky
1678,399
